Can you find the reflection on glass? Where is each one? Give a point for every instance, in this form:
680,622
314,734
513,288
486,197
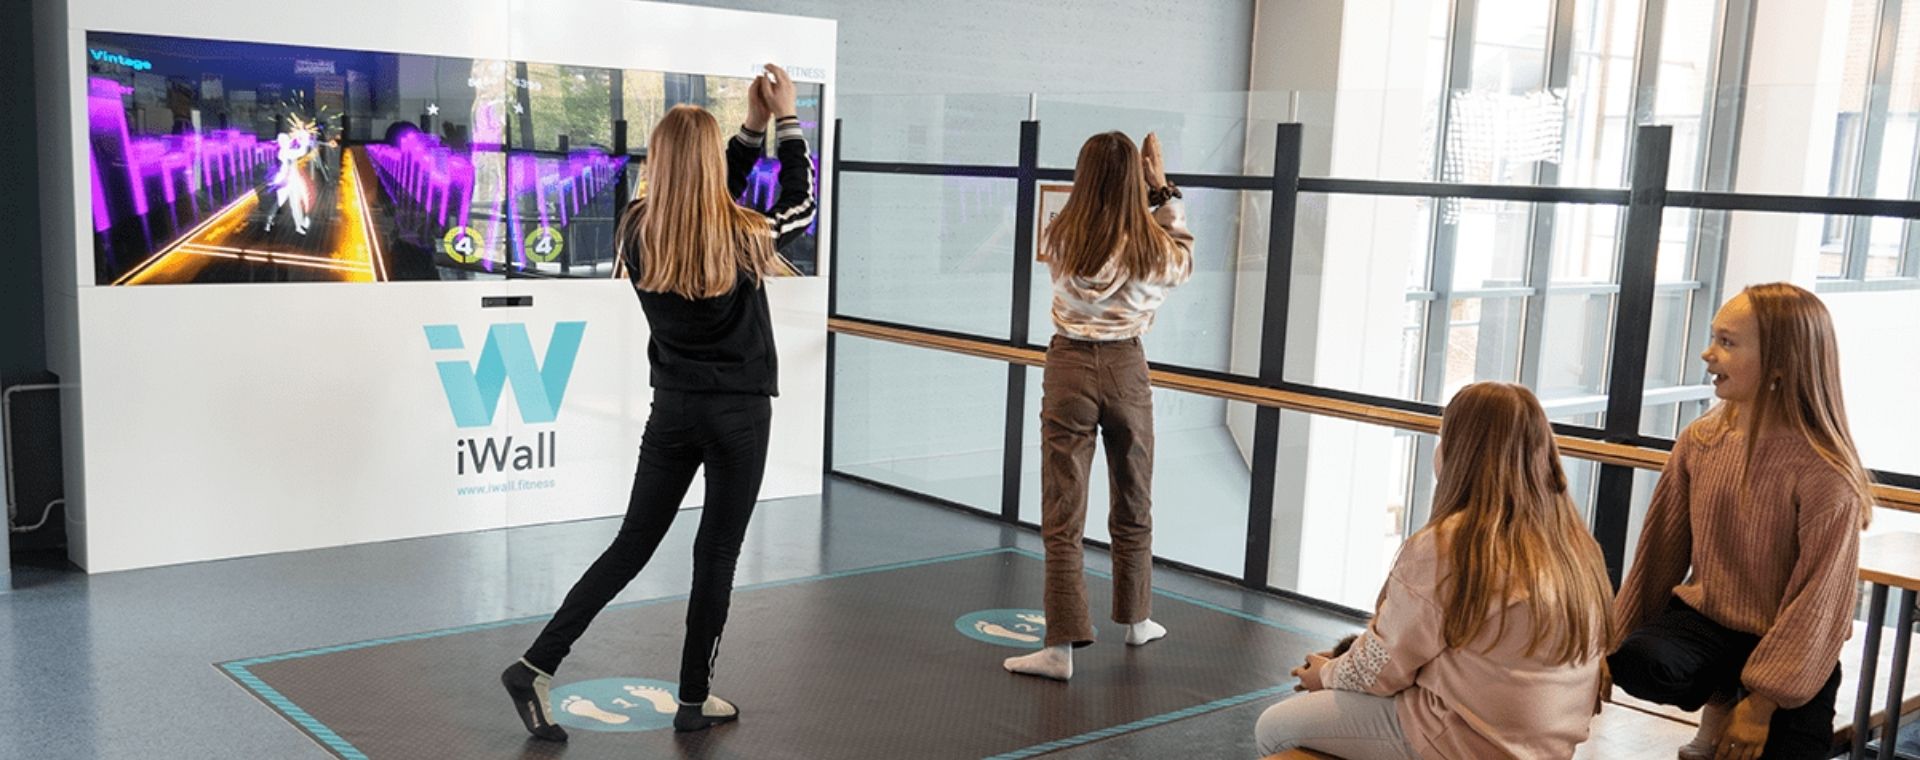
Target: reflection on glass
1499,320
1644,482
1346,495
1599,114
1586,244
1492,244
726,97
569,183
1682,98
1874,152
1199,131
929,421
1572,376
643,103
1504,119
959,129
1767,247
931,251
1483,341
572,106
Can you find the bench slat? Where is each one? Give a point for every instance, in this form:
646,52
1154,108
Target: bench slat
1618,733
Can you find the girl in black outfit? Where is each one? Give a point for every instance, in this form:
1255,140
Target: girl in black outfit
698,262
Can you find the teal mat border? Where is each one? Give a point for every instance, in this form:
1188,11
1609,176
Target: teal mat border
239,671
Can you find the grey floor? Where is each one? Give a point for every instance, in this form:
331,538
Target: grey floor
121,664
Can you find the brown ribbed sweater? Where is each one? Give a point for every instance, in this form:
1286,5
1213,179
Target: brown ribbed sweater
1779,561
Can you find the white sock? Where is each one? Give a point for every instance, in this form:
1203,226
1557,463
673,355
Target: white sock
543,688
1055,662
1713,724
1144,631
715,707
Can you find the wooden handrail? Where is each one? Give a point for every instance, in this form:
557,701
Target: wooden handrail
1640,457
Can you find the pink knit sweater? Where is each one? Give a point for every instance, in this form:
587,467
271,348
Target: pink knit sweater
1487,699
1778,560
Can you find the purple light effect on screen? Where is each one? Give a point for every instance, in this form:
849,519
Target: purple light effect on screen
763,186
419,170
188,162
101,223
105,116
570,183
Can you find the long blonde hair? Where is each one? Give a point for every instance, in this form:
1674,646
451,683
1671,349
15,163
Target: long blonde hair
1514,529
688,236
1800,369
1107,216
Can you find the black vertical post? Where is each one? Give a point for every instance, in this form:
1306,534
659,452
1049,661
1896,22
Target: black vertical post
1632,329
620,185
1273,350
833,293
1026,180
1897,671
523,107
1863,696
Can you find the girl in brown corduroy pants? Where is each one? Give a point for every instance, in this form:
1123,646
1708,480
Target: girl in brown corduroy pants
1113,253
1763,501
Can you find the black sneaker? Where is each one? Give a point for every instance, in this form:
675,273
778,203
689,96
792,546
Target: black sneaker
705,715
528,688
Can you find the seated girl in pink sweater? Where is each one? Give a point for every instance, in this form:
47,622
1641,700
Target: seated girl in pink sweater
1487,639
1763,500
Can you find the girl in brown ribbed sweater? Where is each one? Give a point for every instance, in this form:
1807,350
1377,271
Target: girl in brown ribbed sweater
1763,499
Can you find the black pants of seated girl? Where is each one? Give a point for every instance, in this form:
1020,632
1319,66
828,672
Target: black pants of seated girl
1682,658
728,434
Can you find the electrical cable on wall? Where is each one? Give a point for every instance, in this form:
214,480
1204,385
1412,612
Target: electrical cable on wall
6,445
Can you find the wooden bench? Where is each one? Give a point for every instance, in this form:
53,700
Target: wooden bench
1301,754
1618,733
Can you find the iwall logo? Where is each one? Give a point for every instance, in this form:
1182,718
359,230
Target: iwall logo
474,390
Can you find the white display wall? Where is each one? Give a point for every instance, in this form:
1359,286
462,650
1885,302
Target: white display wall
220,420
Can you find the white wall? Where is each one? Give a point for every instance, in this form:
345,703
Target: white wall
223,420
1019,46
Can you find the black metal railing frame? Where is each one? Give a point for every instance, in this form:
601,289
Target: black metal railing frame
1645,200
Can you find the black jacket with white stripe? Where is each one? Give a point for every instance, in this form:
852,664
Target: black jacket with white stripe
725,344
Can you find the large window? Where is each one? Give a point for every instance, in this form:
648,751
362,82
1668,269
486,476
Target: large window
1548,93
1397,293
1876,143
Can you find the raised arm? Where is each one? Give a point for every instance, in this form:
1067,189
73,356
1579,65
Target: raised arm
794,207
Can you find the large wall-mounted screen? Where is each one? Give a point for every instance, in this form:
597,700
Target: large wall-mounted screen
235,162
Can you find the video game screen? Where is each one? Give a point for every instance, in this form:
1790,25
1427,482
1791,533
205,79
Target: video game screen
235,162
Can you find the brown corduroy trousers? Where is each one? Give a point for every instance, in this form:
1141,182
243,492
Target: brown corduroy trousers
1095,387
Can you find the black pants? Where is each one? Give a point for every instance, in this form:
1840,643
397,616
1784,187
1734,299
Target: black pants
726,433
1683,658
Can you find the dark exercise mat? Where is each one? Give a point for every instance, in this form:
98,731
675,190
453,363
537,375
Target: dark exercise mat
888,662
